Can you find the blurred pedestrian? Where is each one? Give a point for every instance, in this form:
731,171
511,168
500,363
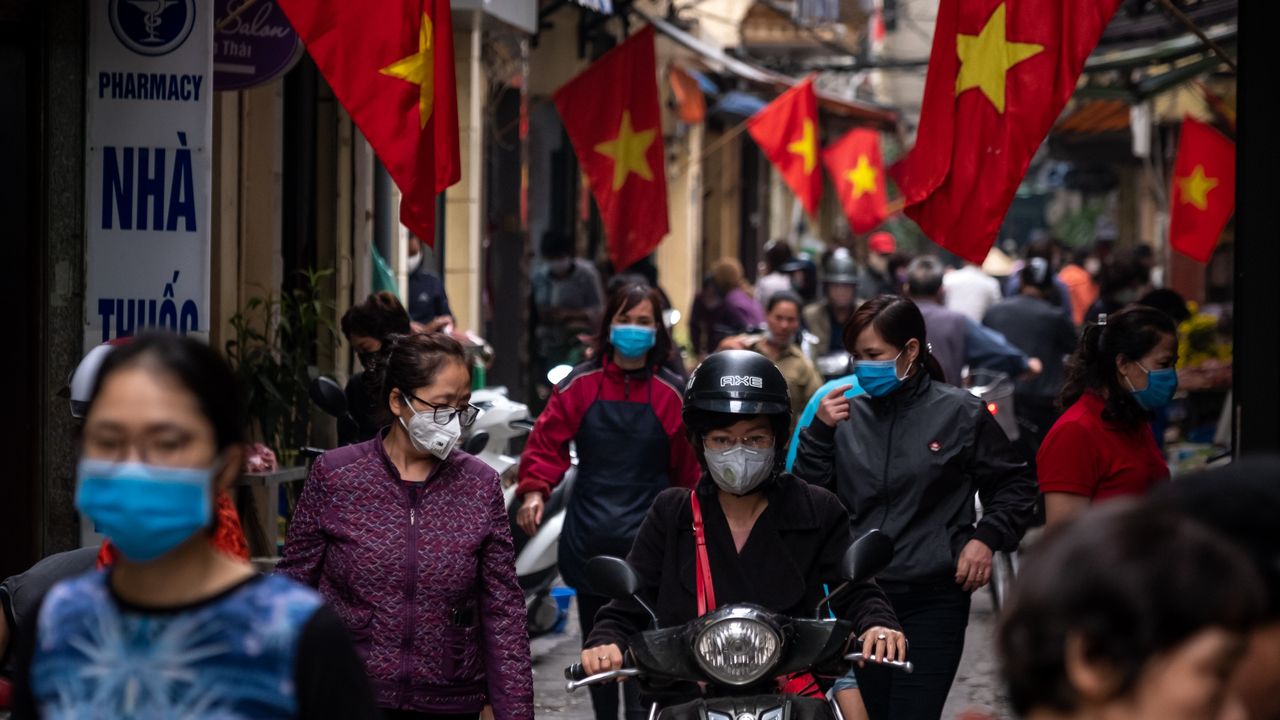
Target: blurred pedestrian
1129,613
1040,330
621,410
907,459
407,537
176,627
1125,277
368,327
826,317
428,303
1048,249
970,291
1241,502
1102,447
567,302
879,278
778,343
777,253
1082,289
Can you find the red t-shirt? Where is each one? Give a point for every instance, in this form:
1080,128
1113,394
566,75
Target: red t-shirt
1084,455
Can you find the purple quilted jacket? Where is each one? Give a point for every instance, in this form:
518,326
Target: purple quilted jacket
402,573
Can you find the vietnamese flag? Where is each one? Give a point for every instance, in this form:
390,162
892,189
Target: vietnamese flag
390,64
1204,190
787,132
1000,73
857,170
611,113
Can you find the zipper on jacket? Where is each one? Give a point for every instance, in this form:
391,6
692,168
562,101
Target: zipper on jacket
410,595
626,387
884,477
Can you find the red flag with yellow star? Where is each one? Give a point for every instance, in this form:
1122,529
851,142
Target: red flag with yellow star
611,113
787,132
858,173
391,66
1204,190
999,75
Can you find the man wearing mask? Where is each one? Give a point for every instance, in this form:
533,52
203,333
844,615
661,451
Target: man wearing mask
428,304
567,300
839,287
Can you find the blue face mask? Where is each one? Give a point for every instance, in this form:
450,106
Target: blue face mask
632,341
145,510
878,377
1161,385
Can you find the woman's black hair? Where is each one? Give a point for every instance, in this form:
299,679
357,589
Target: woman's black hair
197,367
784,296
1128,582
1130,333
898,321
622,300
380,316
409,362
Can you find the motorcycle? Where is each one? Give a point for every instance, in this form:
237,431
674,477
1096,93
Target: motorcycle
995,389
738,652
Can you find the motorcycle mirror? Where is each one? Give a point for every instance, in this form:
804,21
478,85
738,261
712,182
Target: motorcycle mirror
328,395
476,443
558,373
867,556
672,317
616,579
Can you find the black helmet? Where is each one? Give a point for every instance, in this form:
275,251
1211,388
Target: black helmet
840,268
737,382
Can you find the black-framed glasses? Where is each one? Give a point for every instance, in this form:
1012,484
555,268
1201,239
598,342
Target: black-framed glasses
444,414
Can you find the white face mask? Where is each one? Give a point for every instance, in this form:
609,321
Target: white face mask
430,437
739,470
413,262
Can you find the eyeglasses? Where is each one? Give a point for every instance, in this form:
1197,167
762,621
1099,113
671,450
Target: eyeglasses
755,441
168,448
444,414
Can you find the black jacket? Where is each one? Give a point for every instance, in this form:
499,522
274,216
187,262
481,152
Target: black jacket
909,464
796,546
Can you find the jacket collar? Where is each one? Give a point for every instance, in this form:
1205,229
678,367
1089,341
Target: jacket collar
615,371
911,390
790,504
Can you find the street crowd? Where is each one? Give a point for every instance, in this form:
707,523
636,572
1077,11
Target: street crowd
831,399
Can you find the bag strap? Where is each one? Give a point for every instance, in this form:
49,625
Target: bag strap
705,588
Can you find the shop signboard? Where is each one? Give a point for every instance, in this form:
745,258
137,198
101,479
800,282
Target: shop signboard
253,44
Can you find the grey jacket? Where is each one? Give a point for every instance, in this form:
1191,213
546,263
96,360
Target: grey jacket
909,465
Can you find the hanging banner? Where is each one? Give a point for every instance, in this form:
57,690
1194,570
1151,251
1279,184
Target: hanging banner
148,171
253,44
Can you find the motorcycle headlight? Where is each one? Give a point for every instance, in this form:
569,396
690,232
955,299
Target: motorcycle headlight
737,645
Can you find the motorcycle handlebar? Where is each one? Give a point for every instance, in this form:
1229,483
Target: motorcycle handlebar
577,677
903,665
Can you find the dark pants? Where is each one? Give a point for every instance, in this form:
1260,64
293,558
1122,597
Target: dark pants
604,698
934,621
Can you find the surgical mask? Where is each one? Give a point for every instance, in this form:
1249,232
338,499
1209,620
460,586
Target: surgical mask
413,262
430,437
632,341
1161,385
145,510
879,377
740,469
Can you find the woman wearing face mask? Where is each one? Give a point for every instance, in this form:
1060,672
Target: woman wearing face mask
622,412
367,327
176,627
906,458
1102,446
771,539
782,323
1130,613
406,536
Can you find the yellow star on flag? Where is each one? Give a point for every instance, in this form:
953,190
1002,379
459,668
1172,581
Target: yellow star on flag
1195,188
862,177
806,147
985,58
628,151
419,69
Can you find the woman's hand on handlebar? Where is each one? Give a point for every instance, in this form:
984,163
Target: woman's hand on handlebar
601,658
884,644
530,515
835,406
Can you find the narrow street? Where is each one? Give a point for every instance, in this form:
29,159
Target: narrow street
977,685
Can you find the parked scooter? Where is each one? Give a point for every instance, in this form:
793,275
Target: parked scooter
736,652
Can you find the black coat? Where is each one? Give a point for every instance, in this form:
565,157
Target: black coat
795,546
909,464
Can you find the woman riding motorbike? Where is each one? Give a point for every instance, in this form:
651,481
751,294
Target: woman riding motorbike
771,539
